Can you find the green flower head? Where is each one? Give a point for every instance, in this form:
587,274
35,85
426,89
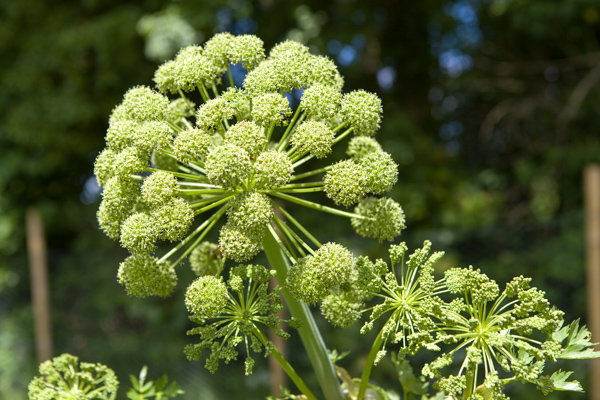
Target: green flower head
64,377
362,111
143,276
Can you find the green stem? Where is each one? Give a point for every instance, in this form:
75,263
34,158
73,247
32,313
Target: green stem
230,77
364,380
343,135
311,173
286,366
180,174
316,206
309,334
285,139
470,375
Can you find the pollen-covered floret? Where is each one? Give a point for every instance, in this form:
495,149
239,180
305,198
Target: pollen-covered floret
217,48
192,69
179,109
64,378
270,108
159,188
165,77
212,113
313,137
384,218
251,211
248,49
463,280
228,166
206,259
138,233
360,146
173,219
237,244
248,136
130,161
313,277
324,72
144,104
340,311
104,166
118,199
151,135
381,170
239,101
273,169
119,134
206,297
321,101
191,145
345,183
362,111
143,276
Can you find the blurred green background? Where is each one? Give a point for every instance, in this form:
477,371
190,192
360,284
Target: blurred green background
491,110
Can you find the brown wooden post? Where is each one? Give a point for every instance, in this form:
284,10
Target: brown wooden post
38,266
591,188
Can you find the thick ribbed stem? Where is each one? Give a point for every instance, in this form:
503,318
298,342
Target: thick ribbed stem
309,334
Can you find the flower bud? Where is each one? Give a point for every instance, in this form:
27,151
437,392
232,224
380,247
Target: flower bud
248,136
384,218
158,188
270,108
173,219
206,297
206,259
362,111
321,101
251,211
142,276
313,137
191,145
273,169
138,233
345,183
237,244
228,166
212,113
381,170
360,146
144,104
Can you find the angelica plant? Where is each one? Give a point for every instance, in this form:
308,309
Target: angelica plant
64,378
199,153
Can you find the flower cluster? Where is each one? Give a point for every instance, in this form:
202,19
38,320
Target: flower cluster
169,162
64,378
229,313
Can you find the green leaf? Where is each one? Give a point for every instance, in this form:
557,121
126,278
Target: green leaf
143,374
134,383
577,344
173,390
410,383
559,380
161,383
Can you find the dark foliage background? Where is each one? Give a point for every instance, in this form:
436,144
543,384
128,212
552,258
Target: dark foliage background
490,109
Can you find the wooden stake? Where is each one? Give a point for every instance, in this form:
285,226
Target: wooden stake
591,188
36,247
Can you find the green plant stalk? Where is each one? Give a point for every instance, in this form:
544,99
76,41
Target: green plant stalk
309,334
286,366
364,379
470,375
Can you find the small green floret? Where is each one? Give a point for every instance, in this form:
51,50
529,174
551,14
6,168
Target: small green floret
313,137
273,169
360,146
384,218
252,211
138,233
362,111
206,297
144,104
270,108
143,276
248,136
345,183
321,101
191,146
173,219
313,277
159,188
237,244
228,166
206,259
